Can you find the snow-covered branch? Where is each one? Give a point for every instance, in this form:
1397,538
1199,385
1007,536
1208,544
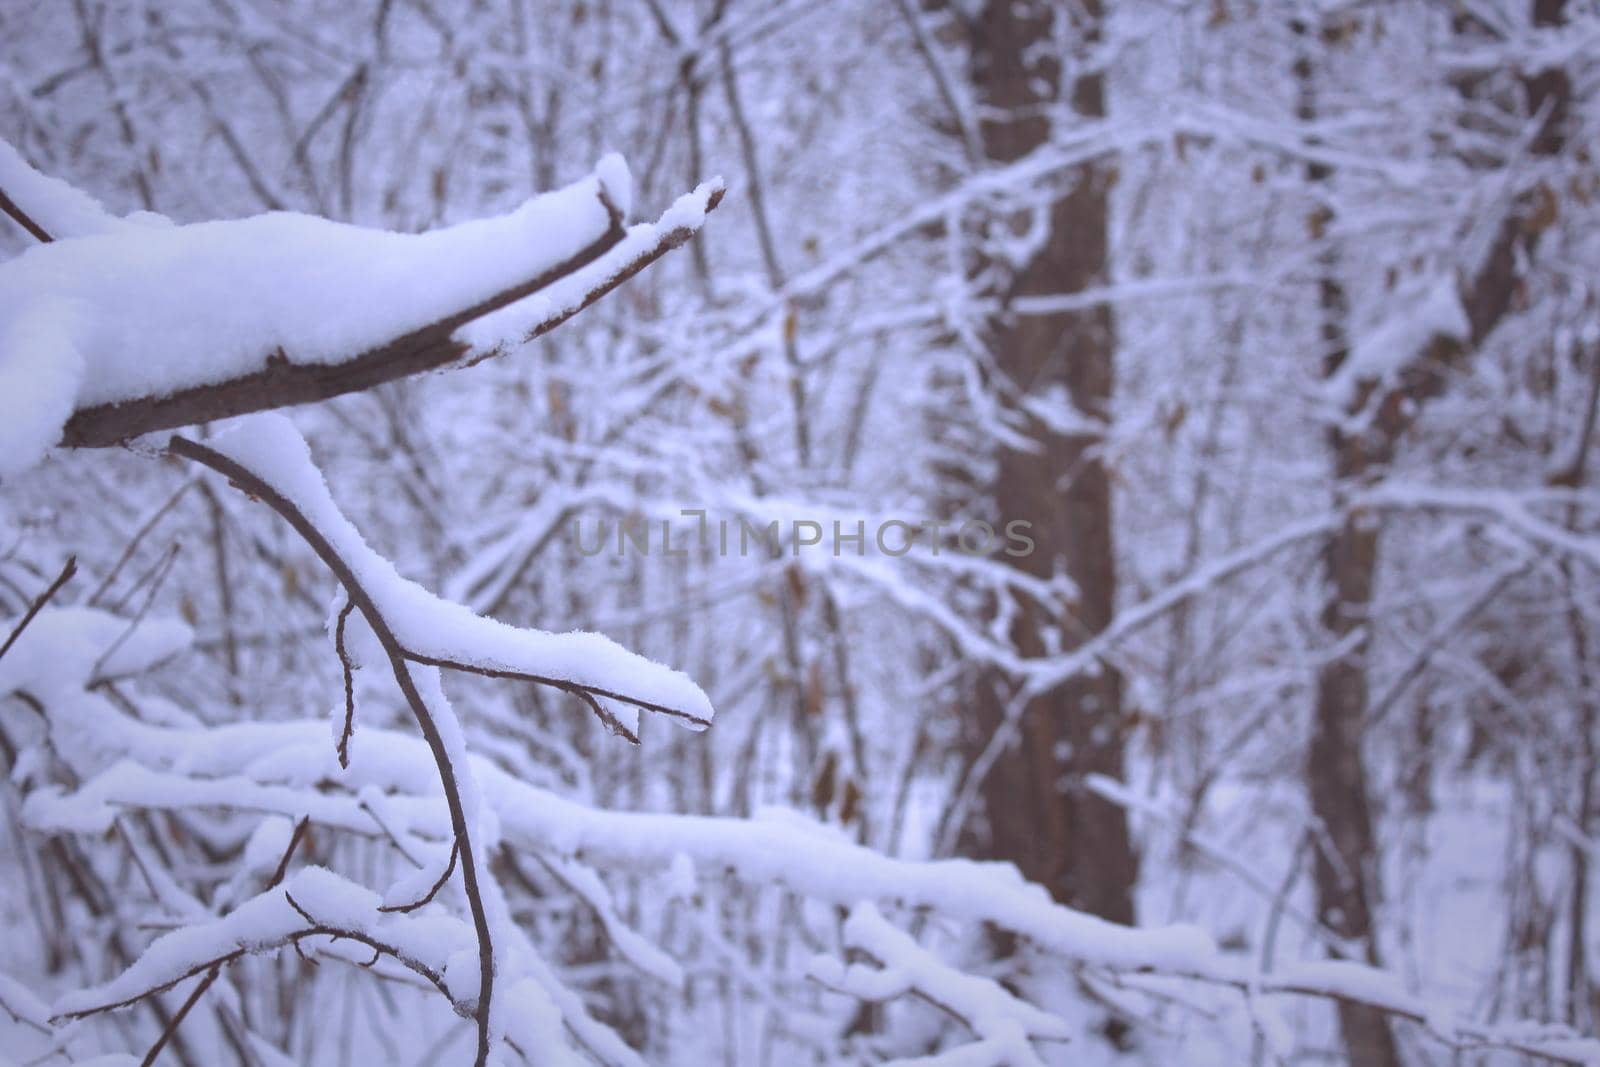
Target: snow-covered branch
269,459
313,903
1004,1024
418,633
121,327
244,769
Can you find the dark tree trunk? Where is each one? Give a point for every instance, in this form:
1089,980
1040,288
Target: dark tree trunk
1035,812
1345,869
1347,859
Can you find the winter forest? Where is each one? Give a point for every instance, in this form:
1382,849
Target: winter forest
753,533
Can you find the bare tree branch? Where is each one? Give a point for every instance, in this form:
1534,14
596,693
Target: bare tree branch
10,207
249,482
433,890
281,382
171,1028
348,670
40,601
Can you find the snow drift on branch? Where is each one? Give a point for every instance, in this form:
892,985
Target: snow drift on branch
61,210
115,311
439,631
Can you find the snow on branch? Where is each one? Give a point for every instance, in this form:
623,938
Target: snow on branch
267,769
1005,1025
642,244
72,648
1416,315
117,328
18,1002
313,903
1046,674
266,456
67,571
1508,509
418,633
50,209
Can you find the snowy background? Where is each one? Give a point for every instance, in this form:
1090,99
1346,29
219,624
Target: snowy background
1275,325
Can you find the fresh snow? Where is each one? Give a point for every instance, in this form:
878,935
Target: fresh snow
270,769
1413,316
1003,1023
805,856
63,210
270,920
438,630
116,311
68,648
491,332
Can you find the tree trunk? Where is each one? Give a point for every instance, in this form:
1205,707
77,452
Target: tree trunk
1346,865
1035,811
1346,868
1347,859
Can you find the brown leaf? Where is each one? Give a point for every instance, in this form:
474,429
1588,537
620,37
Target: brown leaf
1174,419
1317,222
815,690
850,806
825,783
1546,210
1339,31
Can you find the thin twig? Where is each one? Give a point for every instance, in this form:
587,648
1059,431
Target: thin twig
583,691
1269,936
389,832
40,601
315,929
300,829
171,1029
433,891
137,539
610,721
664,243
258,488
349,686
163,569
1379,709
10,207
120,605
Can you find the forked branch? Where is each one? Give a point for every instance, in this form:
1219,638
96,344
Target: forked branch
282,383
359,596
370,590
592,253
